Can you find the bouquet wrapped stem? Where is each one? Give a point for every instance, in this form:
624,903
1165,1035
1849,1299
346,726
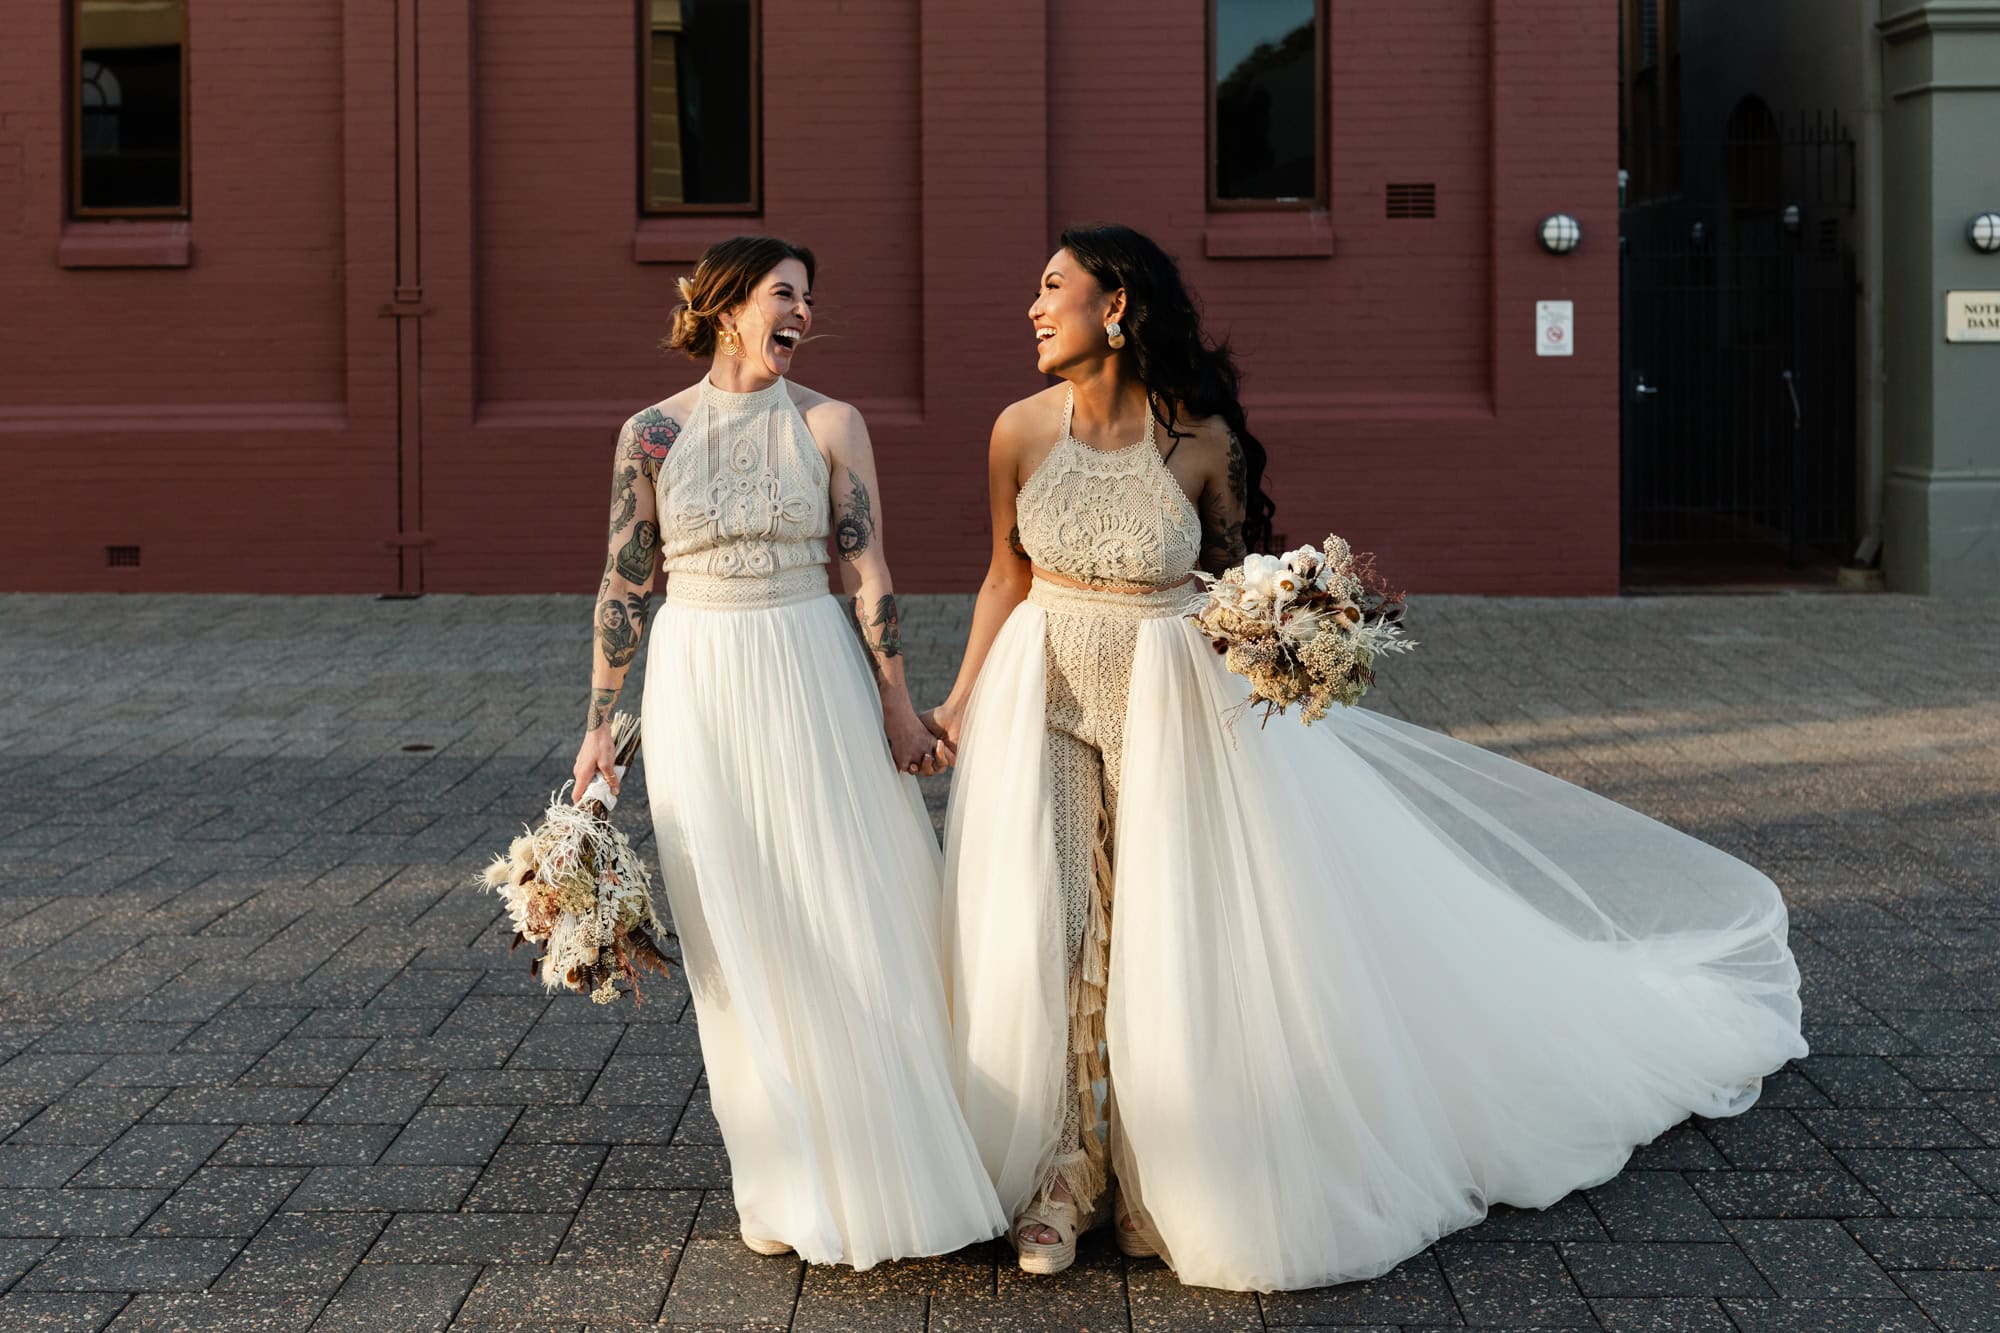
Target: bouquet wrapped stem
574,885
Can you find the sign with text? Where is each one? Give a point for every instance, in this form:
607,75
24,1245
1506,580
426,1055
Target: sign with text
1972,317
1555,328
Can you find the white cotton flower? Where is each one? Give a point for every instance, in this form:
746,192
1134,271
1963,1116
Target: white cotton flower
1260,576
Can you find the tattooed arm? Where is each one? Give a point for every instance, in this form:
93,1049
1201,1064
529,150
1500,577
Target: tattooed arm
1224,502
857,538
631,559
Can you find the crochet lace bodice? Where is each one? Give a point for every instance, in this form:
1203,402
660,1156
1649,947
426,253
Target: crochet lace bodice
1108,515
743,494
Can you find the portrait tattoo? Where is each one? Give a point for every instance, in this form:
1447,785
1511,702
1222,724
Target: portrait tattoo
617,635
1221,536
600,708
856,525
636,556
624,497
1014,542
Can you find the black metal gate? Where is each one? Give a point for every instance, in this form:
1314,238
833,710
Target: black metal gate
1739,352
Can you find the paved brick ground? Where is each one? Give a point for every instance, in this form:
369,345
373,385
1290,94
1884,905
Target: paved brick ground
265,1063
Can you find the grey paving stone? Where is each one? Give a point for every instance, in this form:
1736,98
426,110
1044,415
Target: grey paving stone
631,1227
1661,1314
1682,1148
512,1087
303,1253
1817,1316
88,1116
451,1135
1160,1304
410,1298
1771,1140
305,1145
27,1165
170,1071
60,1312
1919,1184
722,1281
374,1098
1785,1194
1088,1296
1957,1302
594,1124
646,1080
310,1062
648,1166
153,1156
470,1238
74,1212
1653,1205
1515,1284
18,1256
440,1054
1927,1129
224,1201
234,1106
1662,1269
1568,1218
131,1265
566,1046
1913,1242
567,1294
396,1189
219,1312
541,1178
1811,1259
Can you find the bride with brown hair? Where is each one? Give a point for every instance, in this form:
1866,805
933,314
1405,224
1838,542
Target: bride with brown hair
1290,1003
799,864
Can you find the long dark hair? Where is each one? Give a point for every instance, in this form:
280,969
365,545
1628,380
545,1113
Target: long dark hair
1176,361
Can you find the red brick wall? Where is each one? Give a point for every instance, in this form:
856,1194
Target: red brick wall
255,422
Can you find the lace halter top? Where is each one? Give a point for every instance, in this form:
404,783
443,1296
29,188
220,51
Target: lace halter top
743,494
1108,515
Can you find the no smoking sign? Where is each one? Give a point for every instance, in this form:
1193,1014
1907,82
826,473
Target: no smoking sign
1555,328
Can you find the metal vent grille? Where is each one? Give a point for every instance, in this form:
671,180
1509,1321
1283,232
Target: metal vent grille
126,556
1417,199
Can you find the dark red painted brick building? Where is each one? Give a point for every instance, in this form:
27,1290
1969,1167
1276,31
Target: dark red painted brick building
353,297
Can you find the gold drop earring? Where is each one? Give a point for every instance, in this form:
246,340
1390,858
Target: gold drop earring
1115,335
731,343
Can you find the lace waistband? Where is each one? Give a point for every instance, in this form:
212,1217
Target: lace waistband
1107,604
780,589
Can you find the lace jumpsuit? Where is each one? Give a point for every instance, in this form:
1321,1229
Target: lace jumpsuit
1118,520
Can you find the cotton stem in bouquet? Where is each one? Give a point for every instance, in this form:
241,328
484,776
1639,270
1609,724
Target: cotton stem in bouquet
575,885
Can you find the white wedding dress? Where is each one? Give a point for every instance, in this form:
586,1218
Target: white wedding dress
800,867
1361,981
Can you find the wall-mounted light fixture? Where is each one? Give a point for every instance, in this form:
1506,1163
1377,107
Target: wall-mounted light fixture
1561,233
1984,233
1792,218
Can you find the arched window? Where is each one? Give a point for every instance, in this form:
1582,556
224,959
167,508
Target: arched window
1754,157
128,108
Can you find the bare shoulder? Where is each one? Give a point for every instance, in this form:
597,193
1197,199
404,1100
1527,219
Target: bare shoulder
1205,436
668,415
1030,422
826,416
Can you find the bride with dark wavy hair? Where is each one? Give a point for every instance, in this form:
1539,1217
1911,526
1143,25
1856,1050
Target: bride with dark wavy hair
1289,1003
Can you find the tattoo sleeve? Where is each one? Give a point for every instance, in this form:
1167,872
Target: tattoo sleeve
854,529
631,558
1222,542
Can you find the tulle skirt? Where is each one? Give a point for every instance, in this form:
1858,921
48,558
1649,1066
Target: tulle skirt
802,874
1365,981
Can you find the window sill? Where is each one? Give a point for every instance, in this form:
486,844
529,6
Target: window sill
1302,235
113,244
681,239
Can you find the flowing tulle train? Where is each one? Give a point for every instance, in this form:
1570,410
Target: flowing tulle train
802,874
1366,980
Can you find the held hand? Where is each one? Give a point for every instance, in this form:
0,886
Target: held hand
943,723
594,756
911,745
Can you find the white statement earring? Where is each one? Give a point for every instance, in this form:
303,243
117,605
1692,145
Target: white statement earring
1115,335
